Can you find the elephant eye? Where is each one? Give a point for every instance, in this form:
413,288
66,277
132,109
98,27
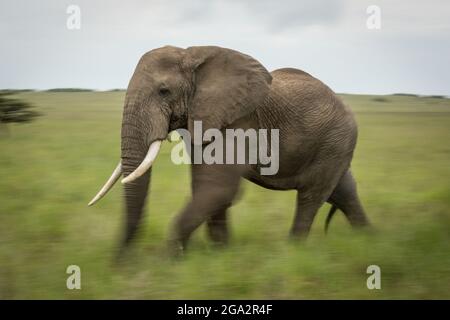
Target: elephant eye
164,92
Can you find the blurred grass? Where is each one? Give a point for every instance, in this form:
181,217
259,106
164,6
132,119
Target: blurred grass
52,167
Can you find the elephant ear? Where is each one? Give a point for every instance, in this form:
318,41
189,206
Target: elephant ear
228,86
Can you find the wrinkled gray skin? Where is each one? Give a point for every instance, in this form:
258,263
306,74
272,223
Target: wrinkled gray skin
171,87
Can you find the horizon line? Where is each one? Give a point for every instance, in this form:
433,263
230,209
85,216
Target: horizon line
79,89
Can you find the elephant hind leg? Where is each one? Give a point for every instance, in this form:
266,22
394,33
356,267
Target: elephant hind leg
311,196
306,211
345,197
218,227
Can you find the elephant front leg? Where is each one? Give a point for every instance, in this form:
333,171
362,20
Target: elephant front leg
214,188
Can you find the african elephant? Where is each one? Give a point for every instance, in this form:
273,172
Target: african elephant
172,87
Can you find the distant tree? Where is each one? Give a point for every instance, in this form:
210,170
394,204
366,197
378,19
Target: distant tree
380,99
436,97
405,94
14,110
70,90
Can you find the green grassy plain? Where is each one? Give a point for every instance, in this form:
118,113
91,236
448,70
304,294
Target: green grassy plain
51,168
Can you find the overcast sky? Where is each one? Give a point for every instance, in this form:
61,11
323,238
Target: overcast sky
327,38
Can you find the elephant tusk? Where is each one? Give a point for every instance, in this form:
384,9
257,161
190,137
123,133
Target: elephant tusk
146,163
108,185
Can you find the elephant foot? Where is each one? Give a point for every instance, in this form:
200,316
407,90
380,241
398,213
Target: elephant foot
219,237
175,249
120,257
298,236
219,245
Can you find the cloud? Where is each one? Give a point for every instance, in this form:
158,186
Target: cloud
292,13
326,38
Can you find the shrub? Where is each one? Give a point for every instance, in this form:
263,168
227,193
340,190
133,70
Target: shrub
13,110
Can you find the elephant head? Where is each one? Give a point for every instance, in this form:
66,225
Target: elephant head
170,89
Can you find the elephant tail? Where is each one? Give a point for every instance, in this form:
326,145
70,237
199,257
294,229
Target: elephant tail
329,216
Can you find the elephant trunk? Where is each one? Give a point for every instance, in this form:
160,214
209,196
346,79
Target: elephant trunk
135,192
135,197
140,144
144,127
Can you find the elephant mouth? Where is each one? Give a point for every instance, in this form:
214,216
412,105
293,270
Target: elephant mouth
145,165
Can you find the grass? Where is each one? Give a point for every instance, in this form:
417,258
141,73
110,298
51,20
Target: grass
51,168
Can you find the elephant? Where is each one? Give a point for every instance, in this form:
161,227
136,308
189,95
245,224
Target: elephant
173,87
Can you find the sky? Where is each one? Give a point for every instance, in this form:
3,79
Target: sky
329,39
